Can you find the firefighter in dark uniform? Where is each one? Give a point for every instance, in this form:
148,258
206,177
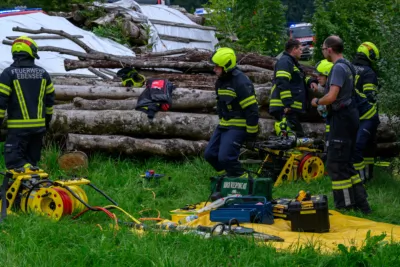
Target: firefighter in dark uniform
348,189
237,109
367,88
289,91
27,94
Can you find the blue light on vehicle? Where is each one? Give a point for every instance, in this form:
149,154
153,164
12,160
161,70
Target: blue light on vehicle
4,11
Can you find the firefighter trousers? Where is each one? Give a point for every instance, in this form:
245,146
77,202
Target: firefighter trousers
364,155
222,152
292,119
22,148
347,187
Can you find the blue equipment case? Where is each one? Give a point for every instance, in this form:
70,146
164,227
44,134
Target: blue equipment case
251,209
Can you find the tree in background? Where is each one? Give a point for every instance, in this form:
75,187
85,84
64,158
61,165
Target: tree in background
298,11
259,25
358,21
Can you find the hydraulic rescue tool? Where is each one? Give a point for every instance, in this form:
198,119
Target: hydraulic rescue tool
30,190
289,158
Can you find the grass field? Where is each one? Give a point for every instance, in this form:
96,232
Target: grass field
29,240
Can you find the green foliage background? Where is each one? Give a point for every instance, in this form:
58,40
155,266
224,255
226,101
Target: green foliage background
358,21
259,25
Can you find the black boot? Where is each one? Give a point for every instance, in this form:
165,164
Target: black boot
360,195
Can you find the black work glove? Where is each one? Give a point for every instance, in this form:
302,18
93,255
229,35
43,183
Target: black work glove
251,140
48,120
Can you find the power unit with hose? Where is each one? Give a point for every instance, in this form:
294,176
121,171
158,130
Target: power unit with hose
288,158
30,190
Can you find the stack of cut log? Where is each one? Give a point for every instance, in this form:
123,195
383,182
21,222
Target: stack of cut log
99,115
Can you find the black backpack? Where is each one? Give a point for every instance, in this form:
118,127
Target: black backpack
157,96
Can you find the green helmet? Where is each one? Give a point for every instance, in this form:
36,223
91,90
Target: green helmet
25,44
324,67
370,50
224,57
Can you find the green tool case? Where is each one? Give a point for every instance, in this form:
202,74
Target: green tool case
243,186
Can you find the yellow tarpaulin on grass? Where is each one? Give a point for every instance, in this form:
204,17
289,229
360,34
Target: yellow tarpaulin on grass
346,230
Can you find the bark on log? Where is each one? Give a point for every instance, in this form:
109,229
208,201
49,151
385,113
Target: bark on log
130,29
253,59
133,146
388,150
198,81
203,66
130,104
188,126
192,97
179,80
166,53
116,144
99,73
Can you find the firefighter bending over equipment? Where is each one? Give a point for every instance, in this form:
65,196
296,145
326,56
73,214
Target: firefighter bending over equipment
27,93
289,93
348,190
367,86
237,109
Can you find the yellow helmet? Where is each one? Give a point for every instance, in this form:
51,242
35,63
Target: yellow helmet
324,67
224,57
370,50
25,44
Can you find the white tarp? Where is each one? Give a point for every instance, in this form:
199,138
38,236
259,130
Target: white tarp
162,12
53,62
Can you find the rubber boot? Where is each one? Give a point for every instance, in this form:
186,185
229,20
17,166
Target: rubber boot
360,195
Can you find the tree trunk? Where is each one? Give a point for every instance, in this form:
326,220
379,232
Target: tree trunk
133,146
252,59
68,92
192,98
388,150
130,104
189,126
198,81
203,66
116,144
180,104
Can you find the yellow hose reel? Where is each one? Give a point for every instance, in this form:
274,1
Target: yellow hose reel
29,190
311,167
54,202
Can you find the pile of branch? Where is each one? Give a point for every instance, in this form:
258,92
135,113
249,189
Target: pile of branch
99,114
134,28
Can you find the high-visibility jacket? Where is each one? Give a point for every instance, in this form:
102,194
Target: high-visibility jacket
289,88
367,88
237,105
27,94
